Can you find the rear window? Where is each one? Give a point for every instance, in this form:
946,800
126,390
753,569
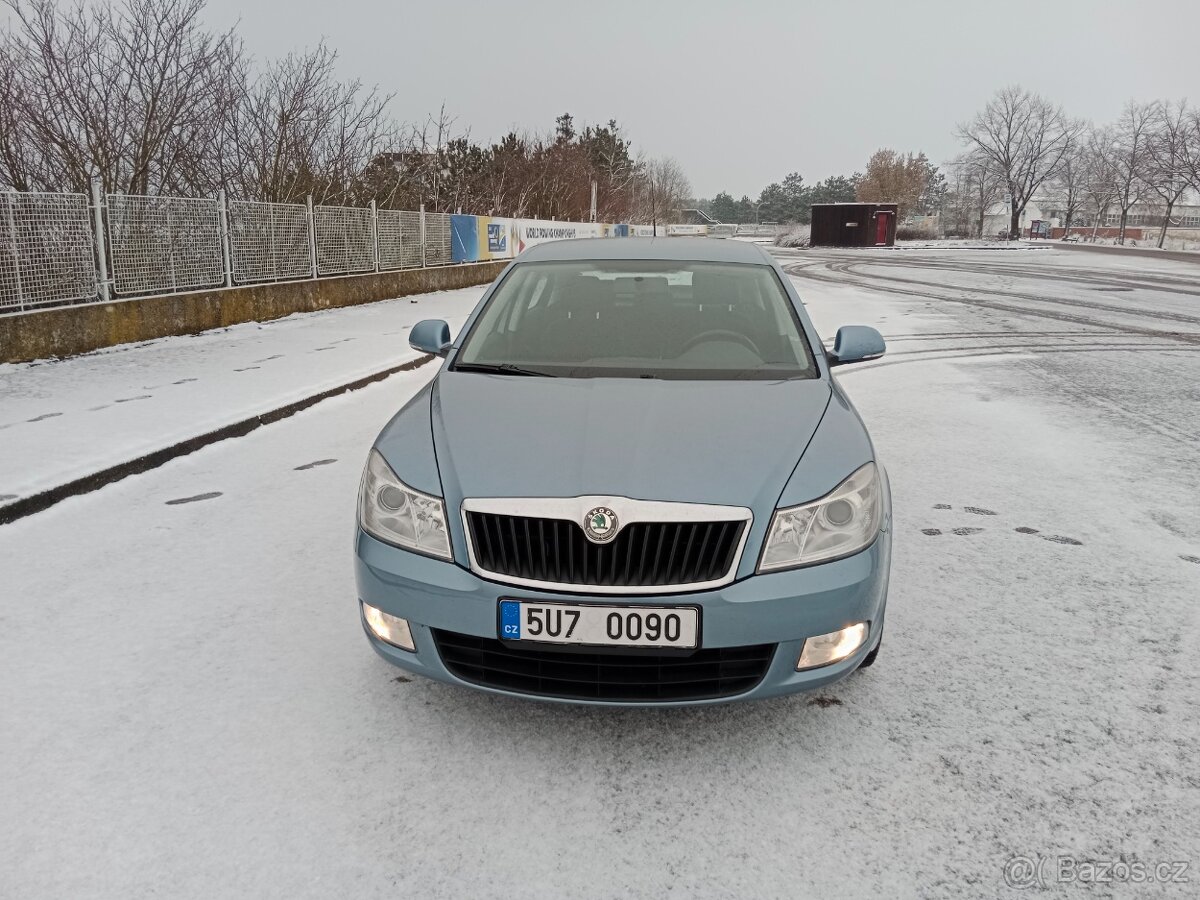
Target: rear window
640,318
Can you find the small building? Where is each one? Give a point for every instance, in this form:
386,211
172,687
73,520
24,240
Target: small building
853,225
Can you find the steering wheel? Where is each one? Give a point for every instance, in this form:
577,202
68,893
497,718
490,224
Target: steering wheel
722,333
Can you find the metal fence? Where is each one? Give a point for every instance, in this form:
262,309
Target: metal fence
765,230
164,244
72,248
437,239
398,233
46,250
345,239
268,241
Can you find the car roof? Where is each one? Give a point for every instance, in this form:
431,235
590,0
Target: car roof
695,249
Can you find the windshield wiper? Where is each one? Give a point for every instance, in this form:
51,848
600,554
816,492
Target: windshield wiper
501,369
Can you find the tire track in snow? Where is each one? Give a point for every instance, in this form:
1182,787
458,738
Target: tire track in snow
884,286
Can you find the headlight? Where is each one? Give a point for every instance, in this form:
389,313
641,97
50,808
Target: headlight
840,523
393,512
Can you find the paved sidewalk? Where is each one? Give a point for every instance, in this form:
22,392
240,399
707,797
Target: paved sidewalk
66,419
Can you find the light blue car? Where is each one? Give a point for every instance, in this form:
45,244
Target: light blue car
634,481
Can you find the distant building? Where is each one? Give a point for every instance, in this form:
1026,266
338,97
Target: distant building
1147,215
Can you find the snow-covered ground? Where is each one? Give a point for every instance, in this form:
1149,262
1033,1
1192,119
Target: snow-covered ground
65,419
1182,240
188,707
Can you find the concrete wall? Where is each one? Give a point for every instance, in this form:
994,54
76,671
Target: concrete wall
70,330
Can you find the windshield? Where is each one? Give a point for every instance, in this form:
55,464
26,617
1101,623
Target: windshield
639,318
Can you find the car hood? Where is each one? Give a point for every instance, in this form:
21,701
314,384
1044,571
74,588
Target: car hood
725,442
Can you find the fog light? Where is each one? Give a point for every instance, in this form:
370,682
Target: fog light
833,647
389,629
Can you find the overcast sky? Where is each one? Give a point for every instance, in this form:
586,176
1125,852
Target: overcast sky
742,92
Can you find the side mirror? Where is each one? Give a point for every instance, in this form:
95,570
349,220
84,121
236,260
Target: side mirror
430,336
855,343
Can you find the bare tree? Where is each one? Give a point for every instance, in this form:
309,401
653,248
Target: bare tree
297,130
425,144
21,163
1025,137
127,93
974,189
144,97
139,93
1099,174
959,214
1131,157
1191,161
1068,186
1170,149
663,188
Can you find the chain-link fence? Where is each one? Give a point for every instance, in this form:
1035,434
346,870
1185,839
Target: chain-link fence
46,250
164,244
268,241
345,239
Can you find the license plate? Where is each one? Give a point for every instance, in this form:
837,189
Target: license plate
600,626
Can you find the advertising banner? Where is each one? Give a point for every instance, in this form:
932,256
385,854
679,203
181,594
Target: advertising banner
496,238
538,231
481,238
464,239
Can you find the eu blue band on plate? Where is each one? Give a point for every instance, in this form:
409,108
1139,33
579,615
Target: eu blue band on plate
510,620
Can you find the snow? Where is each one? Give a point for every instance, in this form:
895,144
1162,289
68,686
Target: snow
65,419
189,709
1177,240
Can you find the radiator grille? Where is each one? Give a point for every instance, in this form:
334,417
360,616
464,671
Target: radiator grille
643,554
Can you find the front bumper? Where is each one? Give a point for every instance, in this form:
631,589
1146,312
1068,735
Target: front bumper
780,608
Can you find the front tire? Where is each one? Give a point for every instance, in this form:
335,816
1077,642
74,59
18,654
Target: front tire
869,659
